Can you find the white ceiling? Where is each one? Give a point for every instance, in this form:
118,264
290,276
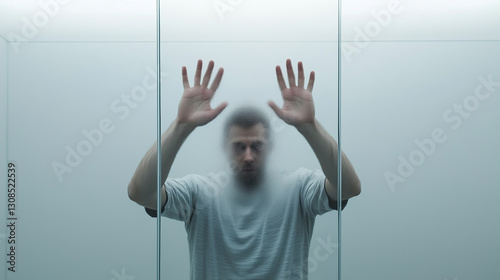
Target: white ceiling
245,20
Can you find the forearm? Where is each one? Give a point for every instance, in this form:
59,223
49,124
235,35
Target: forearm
143,185
326,150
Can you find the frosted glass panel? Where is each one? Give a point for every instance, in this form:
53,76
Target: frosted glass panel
249,79
420,119
80,116
249,39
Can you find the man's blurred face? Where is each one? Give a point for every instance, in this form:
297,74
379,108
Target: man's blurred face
248,148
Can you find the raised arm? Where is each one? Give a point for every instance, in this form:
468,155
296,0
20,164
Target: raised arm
298,110
194,110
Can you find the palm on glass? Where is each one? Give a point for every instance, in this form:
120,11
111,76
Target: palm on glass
194,107
298,105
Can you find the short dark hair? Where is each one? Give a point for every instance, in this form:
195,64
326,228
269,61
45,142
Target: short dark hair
247,117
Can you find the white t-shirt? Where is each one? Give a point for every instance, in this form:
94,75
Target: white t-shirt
233,234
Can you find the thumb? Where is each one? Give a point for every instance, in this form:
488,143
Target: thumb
218,110
275,108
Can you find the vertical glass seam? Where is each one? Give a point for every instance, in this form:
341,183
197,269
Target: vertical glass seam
158,144
339,146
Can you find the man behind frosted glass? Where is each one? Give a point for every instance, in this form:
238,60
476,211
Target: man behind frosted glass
257,224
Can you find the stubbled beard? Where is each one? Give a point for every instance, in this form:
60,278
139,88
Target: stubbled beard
250,181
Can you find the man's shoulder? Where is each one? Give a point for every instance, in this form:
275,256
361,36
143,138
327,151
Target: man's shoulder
218,178
298,177
301,172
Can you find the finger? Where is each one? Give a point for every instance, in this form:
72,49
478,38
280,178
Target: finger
281,81
291,75
208,73
301,75
310,85
275,108
197,76
185,80
217,80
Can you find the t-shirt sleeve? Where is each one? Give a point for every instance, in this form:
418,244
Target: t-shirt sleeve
154,213
333,203
181,194
313,194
